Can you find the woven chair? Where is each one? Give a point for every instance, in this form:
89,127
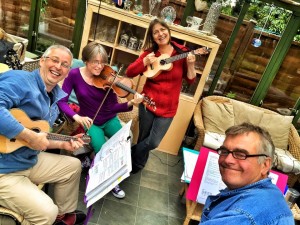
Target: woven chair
31,65
9,217
293,139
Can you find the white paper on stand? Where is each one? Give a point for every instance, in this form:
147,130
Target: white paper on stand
112,164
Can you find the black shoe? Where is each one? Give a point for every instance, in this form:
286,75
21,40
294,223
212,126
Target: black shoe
135,169
74,218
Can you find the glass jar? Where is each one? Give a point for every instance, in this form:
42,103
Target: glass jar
124,40
133,43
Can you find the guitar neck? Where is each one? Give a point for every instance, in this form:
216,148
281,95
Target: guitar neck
177,57
61,137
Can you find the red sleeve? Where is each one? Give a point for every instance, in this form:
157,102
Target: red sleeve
137,67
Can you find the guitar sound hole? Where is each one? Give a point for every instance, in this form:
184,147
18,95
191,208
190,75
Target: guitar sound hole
36,130
162,62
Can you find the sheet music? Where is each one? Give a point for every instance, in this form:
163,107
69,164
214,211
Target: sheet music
112,164
190,158
211,181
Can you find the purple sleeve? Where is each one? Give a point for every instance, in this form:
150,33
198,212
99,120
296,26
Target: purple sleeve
68,87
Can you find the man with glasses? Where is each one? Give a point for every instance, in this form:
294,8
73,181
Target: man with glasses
36,93
250,197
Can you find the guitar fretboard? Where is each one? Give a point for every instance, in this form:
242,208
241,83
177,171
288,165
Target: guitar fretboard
61,137
177,57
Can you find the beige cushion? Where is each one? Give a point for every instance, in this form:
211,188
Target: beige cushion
285,162
279,127
244,112
213,140
217,116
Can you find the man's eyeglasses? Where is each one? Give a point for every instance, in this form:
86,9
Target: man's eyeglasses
56,61
237,154
96,63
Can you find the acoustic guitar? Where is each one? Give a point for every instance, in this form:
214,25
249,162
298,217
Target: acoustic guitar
10,145
164,62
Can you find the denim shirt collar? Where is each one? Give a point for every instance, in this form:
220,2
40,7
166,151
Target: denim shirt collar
259,183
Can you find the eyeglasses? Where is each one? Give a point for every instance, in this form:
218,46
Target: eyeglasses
97,62
56,61
237,154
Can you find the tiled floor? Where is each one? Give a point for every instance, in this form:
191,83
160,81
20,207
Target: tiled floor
151,196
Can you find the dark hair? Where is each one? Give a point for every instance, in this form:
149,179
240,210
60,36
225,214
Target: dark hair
91,50
150,44
266,144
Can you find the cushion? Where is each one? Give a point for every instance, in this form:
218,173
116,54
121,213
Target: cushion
217,116
285,162
213,140
279,128
244,112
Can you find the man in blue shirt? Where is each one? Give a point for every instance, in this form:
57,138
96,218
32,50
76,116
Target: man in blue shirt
36,93
250,197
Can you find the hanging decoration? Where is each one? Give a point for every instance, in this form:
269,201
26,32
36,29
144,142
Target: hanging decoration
152,4
212,17
256,42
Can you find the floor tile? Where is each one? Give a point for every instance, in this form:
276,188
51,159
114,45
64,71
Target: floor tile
175,221
117,213
155,181
134,178
174,184
176,208
157,162
146,217
153,200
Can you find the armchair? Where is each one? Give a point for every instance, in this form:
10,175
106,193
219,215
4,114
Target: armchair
214,114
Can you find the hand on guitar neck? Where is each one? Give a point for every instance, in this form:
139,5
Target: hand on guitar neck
155,65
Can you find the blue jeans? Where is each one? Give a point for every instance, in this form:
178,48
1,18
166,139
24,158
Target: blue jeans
152,129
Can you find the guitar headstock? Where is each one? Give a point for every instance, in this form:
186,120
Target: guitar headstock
201,51
150,102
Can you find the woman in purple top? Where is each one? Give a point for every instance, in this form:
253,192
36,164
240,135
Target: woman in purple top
89,97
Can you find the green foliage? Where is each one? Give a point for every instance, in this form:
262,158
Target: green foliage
231,95
259,11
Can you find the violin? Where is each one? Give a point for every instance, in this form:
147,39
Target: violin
109,77
122,86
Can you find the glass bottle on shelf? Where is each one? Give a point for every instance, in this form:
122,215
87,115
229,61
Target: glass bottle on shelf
112,34
102,34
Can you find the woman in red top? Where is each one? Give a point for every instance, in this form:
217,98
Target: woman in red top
164,89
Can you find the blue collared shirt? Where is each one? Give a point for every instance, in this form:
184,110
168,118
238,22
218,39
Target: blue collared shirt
260,203
26,91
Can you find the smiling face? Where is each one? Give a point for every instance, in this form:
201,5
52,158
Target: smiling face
95,65
55,67
238,173
161,35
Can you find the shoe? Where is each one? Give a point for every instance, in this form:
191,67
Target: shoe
135,169
74,218
118,192
85,162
